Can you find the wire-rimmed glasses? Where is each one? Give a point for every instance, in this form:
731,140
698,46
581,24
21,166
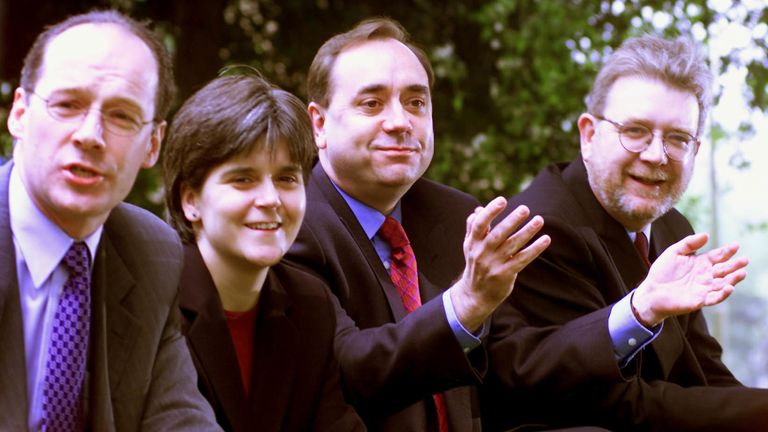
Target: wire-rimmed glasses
117,120
636,137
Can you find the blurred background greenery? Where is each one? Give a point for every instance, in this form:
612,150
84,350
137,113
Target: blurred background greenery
511,81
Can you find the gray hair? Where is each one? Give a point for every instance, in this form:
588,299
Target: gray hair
678,63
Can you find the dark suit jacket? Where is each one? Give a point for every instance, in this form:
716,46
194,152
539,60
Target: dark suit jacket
392,363
295,375
140,376
677,383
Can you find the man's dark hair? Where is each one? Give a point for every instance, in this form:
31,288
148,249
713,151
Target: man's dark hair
319,77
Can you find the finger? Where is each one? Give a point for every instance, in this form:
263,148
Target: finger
720,270
722,254
506,228
523,236
714,297
524,257
481,223
470,219
690,244
734,278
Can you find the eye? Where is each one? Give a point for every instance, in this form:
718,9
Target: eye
678,139
417,104
65,107
635,131
123,118
241,180
290,180
370,105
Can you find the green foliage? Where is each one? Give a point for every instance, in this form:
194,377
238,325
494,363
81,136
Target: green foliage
511,74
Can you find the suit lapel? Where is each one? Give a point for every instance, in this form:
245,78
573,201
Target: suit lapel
426,232
613,236
209,339
667,345
13,370
671,342
114,331
355,230
276,342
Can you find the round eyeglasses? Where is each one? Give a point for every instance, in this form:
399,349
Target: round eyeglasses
118,120
635,138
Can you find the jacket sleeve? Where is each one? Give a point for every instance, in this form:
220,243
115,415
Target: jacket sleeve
552,349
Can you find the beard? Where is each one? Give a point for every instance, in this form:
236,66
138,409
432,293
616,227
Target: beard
636,210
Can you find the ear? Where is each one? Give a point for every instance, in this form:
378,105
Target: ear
587,124
189,203
17,118
155,140
317,115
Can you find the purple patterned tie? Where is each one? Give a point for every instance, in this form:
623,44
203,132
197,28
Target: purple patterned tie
65,368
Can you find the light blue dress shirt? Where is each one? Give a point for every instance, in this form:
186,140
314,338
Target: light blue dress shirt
40,246
371,220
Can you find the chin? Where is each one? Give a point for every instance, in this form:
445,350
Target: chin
646,212
266,260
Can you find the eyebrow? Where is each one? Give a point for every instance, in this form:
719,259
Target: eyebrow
665,129
84,92
376,88
248,169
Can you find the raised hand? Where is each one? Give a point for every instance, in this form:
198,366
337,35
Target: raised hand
679,281
493,257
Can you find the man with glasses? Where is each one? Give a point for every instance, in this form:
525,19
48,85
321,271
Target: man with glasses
624,268
88,302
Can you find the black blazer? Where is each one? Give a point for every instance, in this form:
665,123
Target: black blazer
295,375
139,373
392,363
677,383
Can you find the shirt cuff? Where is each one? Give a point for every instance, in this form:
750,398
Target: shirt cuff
627,334
467,340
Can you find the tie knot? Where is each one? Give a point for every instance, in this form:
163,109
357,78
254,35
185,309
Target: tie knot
393,233
641,244
77,260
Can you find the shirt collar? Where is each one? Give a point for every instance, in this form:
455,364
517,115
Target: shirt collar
646,230
370,219
42,243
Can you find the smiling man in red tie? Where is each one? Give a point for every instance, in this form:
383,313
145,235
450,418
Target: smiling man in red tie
646,358
415,280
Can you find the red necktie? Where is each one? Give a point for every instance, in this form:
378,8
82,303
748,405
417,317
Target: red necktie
641,244
405,277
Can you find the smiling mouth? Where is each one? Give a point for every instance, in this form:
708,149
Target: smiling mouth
647,181
264,225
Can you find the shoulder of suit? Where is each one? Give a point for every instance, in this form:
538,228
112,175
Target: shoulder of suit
298,280
425,186
139,228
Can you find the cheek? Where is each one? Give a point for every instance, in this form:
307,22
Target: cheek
295,203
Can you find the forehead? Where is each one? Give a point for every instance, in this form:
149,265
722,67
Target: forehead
644,98
100,58
380,62
259,156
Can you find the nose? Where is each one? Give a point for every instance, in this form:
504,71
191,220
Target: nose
90,133
655,153
397,119
267,195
